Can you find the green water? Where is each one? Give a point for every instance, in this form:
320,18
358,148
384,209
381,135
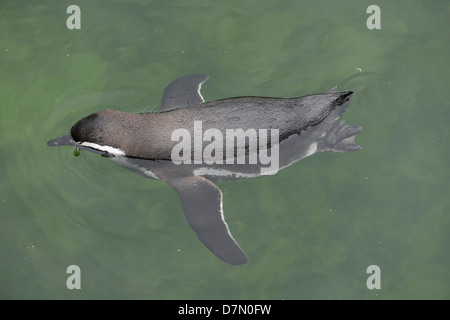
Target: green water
311,231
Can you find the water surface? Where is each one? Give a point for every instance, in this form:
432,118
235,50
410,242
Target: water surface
311,231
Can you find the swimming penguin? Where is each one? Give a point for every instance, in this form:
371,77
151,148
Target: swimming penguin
151,145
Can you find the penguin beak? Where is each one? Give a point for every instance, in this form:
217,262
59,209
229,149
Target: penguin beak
65,141
68,141
62,141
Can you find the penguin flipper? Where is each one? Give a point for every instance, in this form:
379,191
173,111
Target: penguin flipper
183,92
202,204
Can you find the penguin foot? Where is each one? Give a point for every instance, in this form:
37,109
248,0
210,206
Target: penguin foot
339,138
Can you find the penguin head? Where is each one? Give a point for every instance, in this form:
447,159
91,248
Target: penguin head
89,129
98,131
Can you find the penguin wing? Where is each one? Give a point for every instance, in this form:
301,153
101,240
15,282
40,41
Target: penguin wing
202,204
183,92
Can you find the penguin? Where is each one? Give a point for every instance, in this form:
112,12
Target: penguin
145,144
